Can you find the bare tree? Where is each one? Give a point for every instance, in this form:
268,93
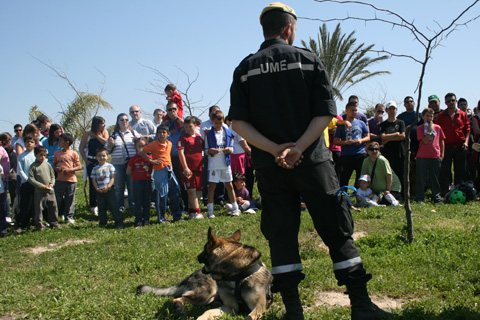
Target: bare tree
191,106
76,117
429,43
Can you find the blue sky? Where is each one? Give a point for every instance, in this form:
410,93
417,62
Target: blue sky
118,37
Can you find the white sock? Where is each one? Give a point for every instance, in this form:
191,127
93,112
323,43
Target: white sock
234,206
229,207
210,207
245,205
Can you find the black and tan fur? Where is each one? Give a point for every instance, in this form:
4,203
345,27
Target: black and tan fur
231,275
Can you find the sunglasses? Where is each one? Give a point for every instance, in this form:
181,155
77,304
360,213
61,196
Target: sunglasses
380,111
373,149
451,100
172,109
18,130
135,111
123,120
409,101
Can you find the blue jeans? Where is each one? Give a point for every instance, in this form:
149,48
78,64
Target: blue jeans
142,189
121,178
167,186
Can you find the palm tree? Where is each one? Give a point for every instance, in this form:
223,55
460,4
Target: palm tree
345,62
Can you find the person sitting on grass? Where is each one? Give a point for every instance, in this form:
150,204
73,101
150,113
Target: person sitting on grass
242,196
365,196
42,177
103,179
383,179
165,181
141,172
190,147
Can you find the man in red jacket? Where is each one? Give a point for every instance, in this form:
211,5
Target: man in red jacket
455,125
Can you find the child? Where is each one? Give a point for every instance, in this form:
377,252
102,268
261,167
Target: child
103,178
3,202
52,142
242,196
42,177
26,190
219,145
141,172
190,147
66,163
365,196
174,96
165,182
429,157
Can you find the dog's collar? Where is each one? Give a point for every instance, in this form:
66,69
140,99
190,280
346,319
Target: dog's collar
244,273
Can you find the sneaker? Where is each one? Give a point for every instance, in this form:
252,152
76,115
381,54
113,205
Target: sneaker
121,209
395,204
198,216
8,219
210,215
371,312
235,213
4,231
139,224
249,211
94,211
69,220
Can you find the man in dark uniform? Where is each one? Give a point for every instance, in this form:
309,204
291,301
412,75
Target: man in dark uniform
281,102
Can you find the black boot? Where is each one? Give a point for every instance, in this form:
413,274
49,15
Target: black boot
362,307
293,306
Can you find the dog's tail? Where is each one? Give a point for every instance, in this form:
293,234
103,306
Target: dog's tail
174,291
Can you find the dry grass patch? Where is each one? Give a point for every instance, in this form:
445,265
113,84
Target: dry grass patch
340,299
55,246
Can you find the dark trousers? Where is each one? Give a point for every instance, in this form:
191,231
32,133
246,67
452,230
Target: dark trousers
396,163
142,191
457,156
281,190
25,213
65,196
92,193
3,212
336,160
178,174
108,201
44,201
428,172
348,164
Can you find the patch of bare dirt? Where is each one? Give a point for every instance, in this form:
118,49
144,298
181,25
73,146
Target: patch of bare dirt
336,298
55,246
355,236
11,316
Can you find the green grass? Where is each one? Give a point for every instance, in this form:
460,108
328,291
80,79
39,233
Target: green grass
436,276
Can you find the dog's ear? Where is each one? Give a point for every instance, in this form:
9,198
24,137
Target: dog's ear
211,238
236,236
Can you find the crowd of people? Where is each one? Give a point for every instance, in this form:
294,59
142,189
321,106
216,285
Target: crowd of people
157,163
173,161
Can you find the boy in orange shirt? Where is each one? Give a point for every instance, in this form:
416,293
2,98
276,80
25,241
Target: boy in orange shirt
66,162
165,182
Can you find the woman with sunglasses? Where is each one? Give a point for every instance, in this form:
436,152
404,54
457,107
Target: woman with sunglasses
383,179
121,147
91,141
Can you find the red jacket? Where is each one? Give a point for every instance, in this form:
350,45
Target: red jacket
456,130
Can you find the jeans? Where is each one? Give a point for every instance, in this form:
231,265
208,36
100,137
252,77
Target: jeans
65,191
121,178
142,189
428,171
167,187
106,200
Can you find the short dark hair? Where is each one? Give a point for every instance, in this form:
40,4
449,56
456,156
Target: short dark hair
211,108
218,115
43,118
163,127
17,125
197,121
450,94
67,137
170,86
101,149
29,138
239,177
39,149
462,100
353,97
350,104
172,102
428,110
274,22
408,97
145,139
379,105
158,110
190,119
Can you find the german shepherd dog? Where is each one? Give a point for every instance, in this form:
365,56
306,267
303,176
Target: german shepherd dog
232,275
